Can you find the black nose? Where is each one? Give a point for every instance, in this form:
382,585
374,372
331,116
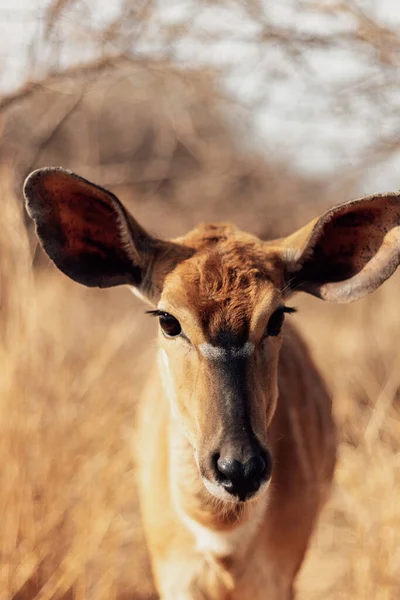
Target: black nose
243,479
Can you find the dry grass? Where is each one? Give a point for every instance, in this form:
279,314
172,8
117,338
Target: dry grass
356,548
70,372
67,499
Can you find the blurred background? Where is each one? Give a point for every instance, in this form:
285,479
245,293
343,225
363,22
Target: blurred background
258,112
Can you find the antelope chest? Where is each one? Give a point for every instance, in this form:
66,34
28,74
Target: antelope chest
232,564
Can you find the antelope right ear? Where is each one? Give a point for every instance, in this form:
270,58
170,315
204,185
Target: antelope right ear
347,252
91,237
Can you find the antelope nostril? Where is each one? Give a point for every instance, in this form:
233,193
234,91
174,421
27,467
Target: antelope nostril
214,461
267,459
255,467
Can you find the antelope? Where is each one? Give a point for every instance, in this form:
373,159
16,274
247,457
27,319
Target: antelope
236,444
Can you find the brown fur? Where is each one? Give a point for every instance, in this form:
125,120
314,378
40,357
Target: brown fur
226,383
222,286
224,278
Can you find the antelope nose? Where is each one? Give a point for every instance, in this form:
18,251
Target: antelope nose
243,479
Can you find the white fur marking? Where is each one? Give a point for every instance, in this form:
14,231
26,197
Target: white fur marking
218,491
139,294
220,353
225,543
167,381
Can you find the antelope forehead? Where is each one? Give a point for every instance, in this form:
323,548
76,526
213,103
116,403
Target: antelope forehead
212,352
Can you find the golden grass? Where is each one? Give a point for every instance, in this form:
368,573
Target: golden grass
70,372
356,551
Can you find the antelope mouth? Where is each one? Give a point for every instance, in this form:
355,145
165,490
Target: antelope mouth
228,493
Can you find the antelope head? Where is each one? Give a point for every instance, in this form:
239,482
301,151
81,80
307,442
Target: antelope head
220,296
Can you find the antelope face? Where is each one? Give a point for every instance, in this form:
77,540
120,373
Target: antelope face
220,297
221,314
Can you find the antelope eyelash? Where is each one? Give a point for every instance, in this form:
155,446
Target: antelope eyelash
287,309
156,313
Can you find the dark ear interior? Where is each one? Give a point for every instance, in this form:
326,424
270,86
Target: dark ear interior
85,229
350,250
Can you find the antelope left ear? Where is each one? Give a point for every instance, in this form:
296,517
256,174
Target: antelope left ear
92,238
348,252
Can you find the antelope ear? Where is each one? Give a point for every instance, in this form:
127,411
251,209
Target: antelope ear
348,252
88,233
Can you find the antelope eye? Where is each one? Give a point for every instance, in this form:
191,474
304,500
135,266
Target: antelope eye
275,322
170,326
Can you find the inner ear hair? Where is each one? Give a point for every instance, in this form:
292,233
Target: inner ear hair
92,238
348,252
